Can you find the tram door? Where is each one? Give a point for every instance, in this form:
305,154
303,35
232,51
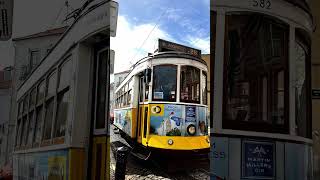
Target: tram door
99,149
142,120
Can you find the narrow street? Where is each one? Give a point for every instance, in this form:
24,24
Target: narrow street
151,169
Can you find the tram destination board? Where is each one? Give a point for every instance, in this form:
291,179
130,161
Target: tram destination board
6,10
170,46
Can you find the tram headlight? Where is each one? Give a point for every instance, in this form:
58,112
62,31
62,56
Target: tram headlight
170,141
191,129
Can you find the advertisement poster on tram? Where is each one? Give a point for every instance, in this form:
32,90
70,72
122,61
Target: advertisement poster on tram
166,120
123,119
42,166
57,168
173,120
258,160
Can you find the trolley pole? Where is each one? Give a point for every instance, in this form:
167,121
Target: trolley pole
121,161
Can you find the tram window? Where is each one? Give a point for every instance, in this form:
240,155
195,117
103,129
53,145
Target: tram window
278,106
62,114
20,107
25,104
164,82
48,119
146,96
52,82
129,96
141,90
23,130
190,84
204,88
37,134
125,99
40,94
18,134
33,98
31,127
65,71
302,86
256,73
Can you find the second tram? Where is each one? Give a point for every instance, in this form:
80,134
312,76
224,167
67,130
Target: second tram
162,103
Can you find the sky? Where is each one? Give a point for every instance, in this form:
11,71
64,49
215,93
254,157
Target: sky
142,22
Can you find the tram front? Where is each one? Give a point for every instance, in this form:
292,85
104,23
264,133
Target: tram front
261,126
178,117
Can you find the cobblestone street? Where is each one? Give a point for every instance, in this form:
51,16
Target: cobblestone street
149,170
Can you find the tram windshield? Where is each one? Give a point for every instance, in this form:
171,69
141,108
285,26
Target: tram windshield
190,84
164,83
172,119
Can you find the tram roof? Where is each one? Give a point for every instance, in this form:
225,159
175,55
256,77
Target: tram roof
169,54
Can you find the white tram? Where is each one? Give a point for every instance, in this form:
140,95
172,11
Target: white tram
261,125
61,130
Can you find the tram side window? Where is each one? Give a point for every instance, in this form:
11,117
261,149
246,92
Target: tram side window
48,119
25,105
164,83
39,117
49,105
20,108
63,99
256,73
31,128
52,84
40,94
33,98
26,130
190,84
62,114
23,130
302,85
204,88
18,134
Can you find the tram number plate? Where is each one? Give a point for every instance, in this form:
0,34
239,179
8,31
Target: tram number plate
265,4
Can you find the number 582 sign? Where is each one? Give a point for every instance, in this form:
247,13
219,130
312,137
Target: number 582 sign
264,4
6,12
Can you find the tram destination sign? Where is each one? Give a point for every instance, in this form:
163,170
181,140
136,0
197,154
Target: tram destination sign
258,160
164,46
6,13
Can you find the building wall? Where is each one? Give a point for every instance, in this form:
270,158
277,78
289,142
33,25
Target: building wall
117,79
22,52
5,98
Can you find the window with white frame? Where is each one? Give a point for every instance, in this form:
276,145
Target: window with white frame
43,111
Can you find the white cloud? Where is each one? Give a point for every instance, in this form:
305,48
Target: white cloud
129,39
201,43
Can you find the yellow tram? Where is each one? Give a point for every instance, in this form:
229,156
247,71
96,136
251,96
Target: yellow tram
162,103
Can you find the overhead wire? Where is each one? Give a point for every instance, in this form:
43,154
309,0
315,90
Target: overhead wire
164,12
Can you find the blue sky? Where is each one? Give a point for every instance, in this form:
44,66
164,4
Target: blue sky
183,21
